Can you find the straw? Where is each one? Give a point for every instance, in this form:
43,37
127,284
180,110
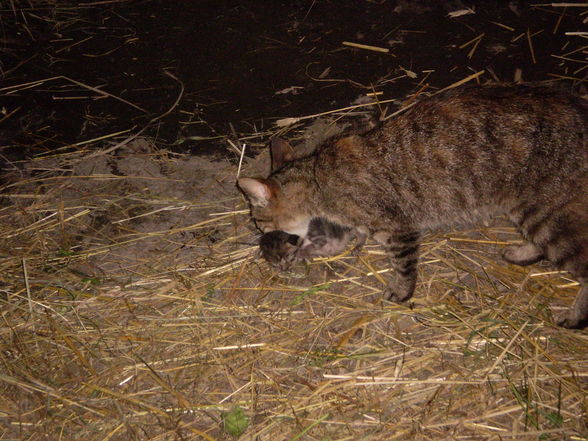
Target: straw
134,308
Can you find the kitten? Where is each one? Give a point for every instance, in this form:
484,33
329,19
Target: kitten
279,249
459,156
323,239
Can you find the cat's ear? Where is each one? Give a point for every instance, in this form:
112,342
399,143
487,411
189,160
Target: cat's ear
257,191
282,152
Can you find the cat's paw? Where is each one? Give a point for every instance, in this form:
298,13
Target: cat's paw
570,320
525,254
396,296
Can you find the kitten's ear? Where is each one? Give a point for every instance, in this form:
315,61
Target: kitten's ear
282,152
258,191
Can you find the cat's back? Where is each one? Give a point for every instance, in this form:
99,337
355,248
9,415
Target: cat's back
473,123
490,118
484,147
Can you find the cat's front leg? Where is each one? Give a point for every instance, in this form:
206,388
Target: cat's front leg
402,249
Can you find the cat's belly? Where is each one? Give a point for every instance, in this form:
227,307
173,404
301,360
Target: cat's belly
457,218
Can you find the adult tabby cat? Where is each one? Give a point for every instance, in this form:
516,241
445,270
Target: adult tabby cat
456,157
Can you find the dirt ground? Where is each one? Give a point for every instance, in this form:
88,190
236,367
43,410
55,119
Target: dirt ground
134,303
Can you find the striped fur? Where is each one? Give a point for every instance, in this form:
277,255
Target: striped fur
457,157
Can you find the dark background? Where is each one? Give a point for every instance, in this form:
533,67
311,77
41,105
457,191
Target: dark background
234,57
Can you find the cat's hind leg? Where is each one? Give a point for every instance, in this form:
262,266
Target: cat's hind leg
525,254
577,316
570,252
562,234
402,249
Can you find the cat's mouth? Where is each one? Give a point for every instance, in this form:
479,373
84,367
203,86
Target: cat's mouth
264,225
296,227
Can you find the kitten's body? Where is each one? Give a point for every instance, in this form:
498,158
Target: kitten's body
520,151
323,239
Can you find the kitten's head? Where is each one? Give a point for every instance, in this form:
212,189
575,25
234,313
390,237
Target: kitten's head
276,207
279,249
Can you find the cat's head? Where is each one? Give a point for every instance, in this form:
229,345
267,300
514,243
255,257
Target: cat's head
276,207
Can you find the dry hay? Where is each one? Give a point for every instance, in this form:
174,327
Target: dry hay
133,307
